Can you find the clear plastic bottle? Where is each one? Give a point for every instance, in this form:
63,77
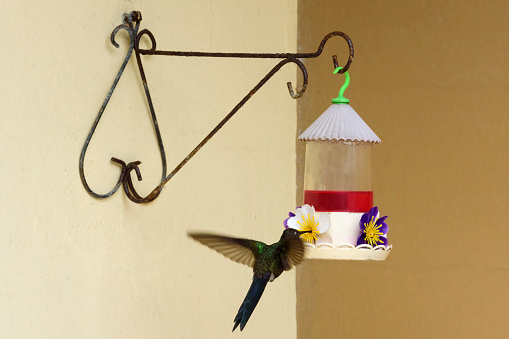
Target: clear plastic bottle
337,176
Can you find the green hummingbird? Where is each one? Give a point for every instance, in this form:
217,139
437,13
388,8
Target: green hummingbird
267,262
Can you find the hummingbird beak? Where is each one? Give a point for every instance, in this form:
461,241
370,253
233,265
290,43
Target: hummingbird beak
302,232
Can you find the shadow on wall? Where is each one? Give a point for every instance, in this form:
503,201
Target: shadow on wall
430,79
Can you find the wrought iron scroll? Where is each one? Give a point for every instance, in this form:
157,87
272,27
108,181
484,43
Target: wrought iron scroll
131,23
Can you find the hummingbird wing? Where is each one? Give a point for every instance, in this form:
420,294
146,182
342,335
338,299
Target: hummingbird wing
243,251
292,252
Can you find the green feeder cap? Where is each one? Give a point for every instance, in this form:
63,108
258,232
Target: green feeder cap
341,99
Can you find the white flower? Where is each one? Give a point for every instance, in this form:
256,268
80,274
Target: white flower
306,220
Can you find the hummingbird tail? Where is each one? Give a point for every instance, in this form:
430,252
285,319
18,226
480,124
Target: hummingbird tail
251,300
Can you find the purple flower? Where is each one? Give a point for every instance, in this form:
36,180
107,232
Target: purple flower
373,229
291,215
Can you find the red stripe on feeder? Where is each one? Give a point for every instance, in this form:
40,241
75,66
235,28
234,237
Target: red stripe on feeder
339,201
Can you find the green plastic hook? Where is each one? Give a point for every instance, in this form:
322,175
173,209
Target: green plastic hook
341,99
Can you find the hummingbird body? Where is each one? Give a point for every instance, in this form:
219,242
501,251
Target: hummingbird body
268,262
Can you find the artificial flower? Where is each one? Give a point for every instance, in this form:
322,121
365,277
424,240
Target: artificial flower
290,215
373,229
304,219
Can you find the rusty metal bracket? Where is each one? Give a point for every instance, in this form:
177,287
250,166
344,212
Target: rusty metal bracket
131,23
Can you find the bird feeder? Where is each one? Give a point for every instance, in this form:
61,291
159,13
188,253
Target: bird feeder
337,175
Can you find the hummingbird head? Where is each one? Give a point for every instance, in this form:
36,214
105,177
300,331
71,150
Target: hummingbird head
292,232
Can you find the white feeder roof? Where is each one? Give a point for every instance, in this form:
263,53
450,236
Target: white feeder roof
339,122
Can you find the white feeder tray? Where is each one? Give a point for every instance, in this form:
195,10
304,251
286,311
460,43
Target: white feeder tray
346,252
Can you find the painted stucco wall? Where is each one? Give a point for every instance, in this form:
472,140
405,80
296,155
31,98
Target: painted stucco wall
431,79
77,267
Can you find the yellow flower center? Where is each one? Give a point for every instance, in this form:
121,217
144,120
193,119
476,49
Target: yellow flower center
372,232
308,224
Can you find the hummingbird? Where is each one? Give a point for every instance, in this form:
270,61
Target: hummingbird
267,262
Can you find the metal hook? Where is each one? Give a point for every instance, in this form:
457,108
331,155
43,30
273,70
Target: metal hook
334,57
304,84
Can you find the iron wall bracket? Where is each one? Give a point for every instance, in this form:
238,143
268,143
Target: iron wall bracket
131,23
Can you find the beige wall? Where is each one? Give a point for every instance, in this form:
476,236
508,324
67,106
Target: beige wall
76,267
431,79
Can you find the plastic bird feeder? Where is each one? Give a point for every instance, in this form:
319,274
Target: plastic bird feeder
337,176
